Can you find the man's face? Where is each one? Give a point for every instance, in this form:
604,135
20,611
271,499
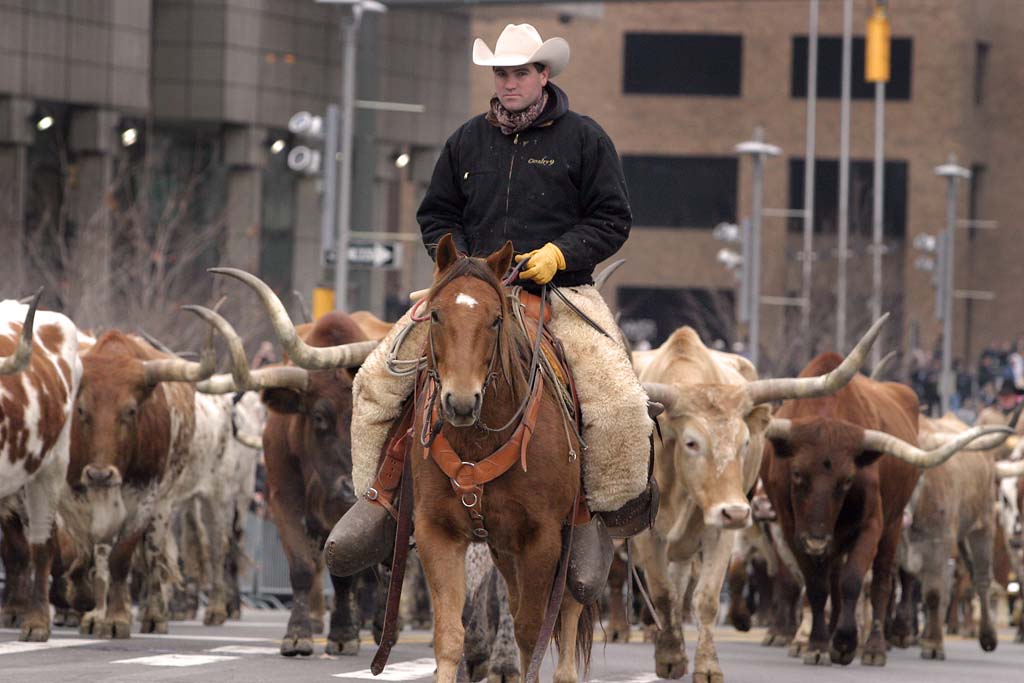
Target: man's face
518,87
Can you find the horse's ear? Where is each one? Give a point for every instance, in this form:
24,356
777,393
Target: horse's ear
500,260
446,253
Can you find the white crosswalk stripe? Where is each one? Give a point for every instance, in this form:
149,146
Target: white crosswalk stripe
245,650
175,660
399,671
15,647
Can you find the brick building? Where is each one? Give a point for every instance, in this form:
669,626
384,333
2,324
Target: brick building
678,84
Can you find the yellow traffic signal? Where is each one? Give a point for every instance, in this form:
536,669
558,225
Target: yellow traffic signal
323,301
876,48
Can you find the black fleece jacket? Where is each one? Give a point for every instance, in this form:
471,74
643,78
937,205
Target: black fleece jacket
558,181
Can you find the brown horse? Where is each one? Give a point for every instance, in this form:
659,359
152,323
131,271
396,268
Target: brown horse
472,333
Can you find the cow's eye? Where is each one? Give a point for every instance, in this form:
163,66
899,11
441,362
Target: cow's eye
320,422
798,478
692,445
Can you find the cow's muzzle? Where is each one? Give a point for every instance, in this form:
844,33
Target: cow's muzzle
816,546
101,477
728,516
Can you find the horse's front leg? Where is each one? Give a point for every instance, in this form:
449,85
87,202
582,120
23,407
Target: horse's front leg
444,564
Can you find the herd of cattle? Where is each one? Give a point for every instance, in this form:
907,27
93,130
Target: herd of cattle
126,474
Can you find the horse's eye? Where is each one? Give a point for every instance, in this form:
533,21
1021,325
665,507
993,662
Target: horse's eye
497,322
434,317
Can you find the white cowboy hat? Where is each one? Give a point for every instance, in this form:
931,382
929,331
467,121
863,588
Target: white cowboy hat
520,44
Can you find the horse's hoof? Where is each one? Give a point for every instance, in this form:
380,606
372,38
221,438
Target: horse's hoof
671,669
817,658
296,645
873,658
345,648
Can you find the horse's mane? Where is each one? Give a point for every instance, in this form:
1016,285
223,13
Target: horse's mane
515,350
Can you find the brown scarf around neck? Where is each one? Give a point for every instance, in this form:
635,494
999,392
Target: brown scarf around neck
515,121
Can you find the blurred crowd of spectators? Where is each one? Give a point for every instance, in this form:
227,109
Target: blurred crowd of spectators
998,378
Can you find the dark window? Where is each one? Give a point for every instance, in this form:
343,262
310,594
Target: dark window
830,69
683,64
826,196
974,198
681,192
980,68
652,314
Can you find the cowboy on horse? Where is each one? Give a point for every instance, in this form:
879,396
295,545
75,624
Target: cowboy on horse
535,173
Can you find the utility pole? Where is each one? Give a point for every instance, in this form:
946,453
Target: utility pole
757,149
876,70
844,177
951,171
808,251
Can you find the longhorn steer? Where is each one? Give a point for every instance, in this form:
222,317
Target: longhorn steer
713,425
952,506
840,499
135,440
39,378
309,463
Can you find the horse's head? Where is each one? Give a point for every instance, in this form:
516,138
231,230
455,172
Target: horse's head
467,311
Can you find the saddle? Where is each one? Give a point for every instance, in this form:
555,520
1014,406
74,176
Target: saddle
468,478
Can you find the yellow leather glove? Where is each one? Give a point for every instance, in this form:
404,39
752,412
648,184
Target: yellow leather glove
543,263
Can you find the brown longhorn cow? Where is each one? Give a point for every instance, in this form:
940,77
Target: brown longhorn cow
134,438
839,471
309,464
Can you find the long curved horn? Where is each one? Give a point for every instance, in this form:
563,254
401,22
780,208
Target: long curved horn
18,361
887,443
933,440
779,428
1006,469
250,440
302,354
665,394
768,390
287,376
177,370
603,276
879,370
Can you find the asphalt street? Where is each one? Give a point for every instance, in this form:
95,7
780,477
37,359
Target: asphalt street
248,651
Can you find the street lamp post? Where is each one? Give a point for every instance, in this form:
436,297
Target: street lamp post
844,177
951,172
757,149
349,39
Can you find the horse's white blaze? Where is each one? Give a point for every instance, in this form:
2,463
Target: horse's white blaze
466,300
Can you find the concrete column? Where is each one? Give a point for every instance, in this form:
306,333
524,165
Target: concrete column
15,136
306,268
93,140
245,155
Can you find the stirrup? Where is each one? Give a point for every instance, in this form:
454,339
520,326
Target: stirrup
636,516
363,537
590,559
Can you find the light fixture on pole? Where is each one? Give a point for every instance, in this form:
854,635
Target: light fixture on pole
349,37
757,150
951,172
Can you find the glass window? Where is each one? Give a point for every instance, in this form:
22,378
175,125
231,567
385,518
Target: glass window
681,192
683,64
651,314
830,63
826,196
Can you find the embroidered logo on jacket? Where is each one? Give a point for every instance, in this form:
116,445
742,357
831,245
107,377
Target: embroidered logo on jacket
543,161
